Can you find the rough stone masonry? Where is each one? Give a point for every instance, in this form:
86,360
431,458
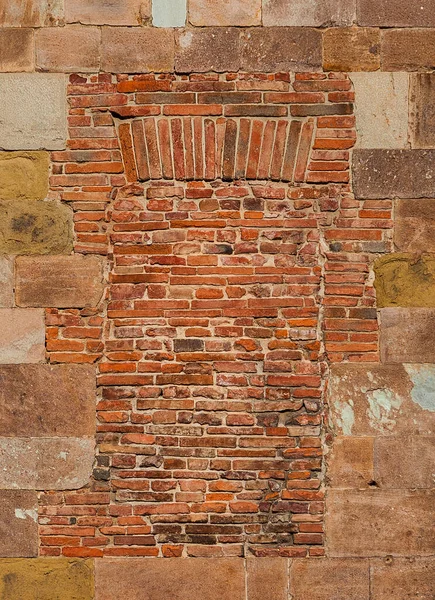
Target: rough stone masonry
217,300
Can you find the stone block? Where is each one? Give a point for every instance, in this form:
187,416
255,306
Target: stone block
196,579
137,50
405,462
423,110
281,49
18,524
23,336
350,462
394,173
169,13
407,578
225,14
379,523
47,400
351,49
6,281
396,13
46,579
414,223
68,49
311,13
107,12
33,111
381,109
329,579
266,574
46,463
210,49
373,400
59,281
407,49
24,175
16,50
405,280
31,13
407,335
35,227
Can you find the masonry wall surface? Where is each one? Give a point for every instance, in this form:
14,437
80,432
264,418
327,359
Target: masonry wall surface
217,299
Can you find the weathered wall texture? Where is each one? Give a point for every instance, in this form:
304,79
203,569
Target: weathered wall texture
217,299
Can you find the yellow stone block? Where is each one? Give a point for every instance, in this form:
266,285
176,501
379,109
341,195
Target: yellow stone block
405,280
24,175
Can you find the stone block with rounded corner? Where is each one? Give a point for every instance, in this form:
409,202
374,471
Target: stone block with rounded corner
24,175
414,224
329,579
33,111
18,524
312,13
22,335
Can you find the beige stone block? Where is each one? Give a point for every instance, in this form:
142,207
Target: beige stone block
350,462
33,111
68,49
35,227
407,335
225,12
45,463
311,13
46,579
351,49
405,462
137,50
422,110
405,280
380,523
18,524
24,175
403,578
329,579
414,224
16,50
178,579
59,281
6,281
381,109
31,13
23,335
107,12
266,574
372,399
193,50
47,400
407,49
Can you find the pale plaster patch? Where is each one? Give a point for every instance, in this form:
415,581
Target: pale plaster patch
423,378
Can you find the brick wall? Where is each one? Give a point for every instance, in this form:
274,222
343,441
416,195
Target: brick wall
217,299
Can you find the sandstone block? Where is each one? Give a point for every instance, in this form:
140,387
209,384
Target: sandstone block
423,110
137,50
311,13
407,335
23,336
40,122
414,469
223,13
6,281
350,462
196,579
373,400
169,13
394,173
281,49
47,401
193,50
396,13
18,524
351,49
24,175
337,578
107,12
407,49
16,50
46,579
32,13
405,280
406,578
414,223
59,281
35,227
381,109
265,574
379,523
68,49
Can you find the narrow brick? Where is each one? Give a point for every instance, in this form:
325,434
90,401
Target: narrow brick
152,148
291,150
126,143
188,146
210,149
178,148
254,149
242,148
198,154
304,150
266,150
165,149
140,150
229,150
278,151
